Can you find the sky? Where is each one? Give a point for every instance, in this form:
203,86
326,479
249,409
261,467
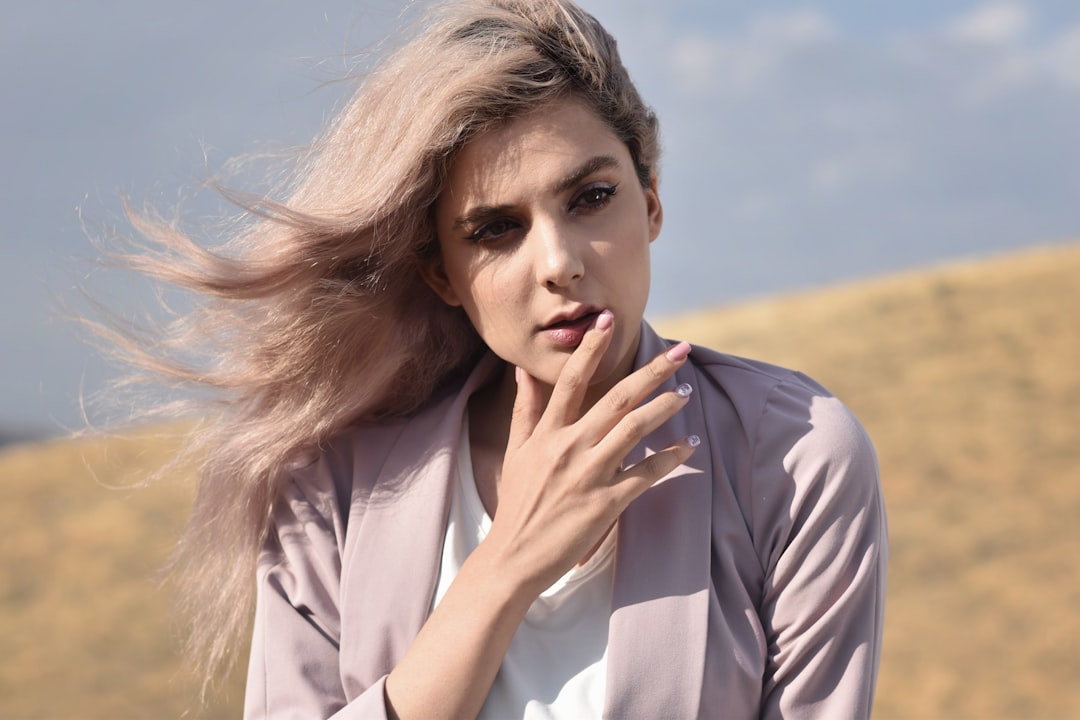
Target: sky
805,144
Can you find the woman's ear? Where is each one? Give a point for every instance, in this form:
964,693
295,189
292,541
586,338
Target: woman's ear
654,207
434,274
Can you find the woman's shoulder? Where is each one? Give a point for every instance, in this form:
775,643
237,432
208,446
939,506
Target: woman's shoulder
748,375
797,459
359,448
359,440
376,460
323,477
782,410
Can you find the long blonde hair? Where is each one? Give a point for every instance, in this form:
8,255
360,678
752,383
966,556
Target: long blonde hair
314,316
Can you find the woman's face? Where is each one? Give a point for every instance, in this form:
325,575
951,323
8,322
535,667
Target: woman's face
542,224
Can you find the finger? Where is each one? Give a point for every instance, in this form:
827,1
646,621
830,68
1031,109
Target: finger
633,427
629,392
567,395
528,405
638,478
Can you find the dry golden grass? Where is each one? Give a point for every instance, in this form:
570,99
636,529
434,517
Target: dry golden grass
85,623
967,378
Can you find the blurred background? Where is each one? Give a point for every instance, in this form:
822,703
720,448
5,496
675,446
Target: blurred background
805,144
883,195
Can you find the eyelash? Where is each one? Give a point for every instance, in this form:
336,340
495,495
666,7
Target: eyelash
606,192
601,196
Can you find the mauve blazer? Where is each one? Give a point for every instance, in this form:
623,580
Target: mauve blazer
750,582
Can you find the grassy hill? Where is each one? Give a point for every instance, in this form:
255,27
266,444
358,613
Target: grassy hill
967,377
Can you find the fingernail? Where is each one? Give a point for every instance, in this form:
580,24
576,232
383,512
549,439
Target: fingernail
693,441
679,352
517,374
604,320
684,390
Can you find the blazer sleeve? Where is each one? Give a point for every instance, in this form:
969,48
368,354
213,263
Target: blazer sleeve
294,669
822,537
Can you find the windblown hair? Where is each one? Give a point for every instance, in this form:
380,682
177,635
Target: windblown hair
315,316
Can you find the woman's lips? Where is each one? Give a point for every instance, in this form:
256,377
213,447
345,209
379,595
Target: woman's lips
568,333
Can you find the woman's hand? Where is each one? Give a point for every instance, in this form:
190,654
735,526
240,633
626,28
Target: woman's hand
562,484
562,488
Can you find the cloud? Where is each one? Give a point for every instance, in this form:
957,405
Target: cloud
840,172
999,55
703,64
1062,58
791,136
791,29
998,23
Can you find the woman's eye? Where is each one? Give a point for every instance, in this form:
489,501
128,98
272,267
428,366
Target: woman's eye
493,230
595,196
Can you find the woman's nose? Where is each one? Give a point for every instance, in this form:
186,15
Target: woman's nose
559,262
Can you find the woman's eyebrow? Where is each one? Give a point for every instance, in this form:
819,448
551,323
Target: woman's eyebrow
480,213
593,164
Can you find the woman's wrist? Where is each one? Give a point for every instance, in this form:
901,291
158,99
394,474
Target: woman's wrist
509,582
477,617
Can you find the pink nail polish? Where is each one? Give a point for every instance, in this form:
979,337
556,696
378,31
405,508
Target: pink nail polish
604,320
517,374
678,352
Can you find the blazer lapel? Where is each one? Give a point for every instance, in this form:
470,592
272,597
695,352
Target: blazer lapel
659,621
397,539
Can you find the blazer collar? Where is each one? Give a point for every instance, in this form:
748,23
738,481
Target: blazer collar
397,535
659,620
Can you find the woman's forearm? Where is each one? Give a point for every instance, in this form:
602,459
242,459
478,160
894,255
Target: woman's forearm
450,667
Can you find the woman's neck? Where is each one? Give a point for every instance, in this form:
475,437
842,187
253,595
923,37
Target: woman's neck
490,410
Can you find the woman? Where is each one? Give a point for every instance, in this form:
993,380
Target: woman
469,478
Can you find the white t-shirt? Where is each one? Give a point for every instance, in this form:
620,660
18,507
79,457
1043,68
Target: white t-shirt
555,666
